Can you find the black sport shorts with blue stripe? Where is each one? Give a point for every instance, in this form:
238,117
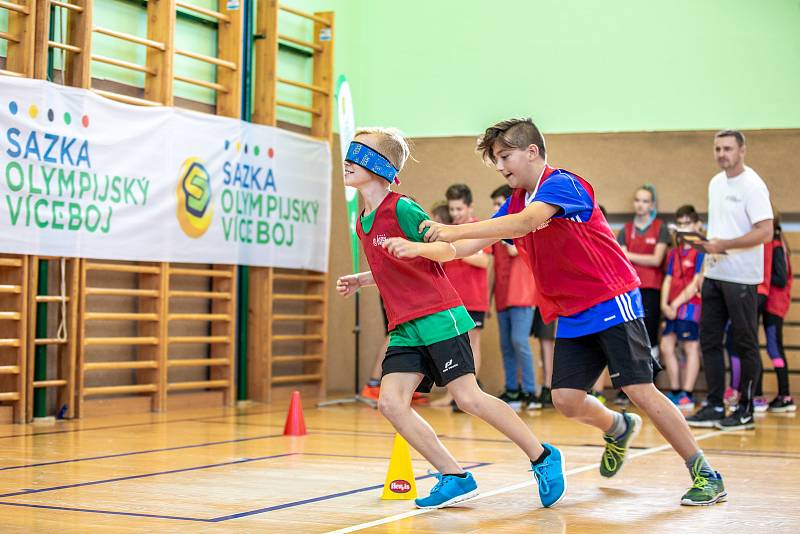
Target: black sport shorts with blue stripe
624,348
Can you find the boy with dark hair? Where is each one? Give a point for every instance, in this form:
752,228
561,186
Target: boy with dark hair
583,277
463,193
512,292
469,276
680,304
427,323
441,213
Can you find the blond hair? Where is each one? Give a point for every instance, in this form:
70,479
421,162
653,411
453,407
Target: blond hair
391,144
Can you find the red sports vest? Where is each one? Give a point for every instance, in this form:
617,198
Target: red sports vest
513,282
575,264
410,288
684,265
763,287
651,277
470,282
780,298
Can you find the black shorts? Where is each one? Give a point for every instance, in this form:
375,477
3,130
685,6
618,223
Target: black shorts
478,318
440,363
624,348
541,329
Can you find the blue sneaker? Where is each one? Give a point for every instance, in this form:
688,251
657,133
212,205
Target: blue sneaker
673,397
550,476
448,491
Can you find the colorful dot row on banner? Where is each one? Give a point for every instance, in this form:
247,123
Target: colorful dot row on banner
33,112
256,149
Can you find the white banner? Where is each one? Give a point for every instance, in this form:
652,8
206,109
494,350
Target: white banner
88,177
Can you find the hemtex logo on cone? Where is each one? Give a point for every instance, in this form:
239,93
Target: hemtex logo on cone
449,365
400,486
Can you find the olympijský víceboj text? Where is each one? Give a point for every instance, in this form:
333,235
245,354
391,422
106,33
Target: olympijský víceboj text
255,212
50,183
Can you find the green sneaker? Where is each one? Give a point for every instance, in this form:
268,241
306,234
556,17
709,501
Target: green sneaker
705,491
614,455
598,395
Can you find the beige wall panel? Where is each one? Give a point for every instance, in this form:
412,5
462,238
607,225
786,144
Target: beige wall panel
678,163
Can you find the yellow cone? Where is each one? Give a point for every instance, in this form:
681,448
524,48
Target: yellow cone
400,484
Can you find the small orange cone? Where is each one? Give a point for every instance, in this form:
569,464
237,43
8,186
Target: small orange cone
295,425
400,483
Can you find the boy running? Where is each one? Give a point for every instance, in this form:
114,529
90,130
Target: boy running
583,278
428,326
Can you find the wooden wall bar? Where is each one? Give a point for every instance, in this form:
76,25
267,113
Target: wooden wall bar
139,336
289,309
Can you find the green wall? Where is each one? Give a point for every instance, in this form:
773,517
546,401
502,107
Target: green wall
451,67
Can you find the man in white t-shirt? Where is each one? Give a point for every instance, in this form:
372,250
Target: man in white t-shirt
739,223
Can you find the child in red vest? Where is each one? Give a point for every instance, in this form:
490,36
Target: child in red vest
680,304
778,302
584,278
779,298
428,325
644,240
512,289
774,298
469,277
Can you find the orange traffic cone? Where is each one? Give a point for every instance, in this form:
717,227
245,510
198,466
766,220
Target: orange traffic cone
295,425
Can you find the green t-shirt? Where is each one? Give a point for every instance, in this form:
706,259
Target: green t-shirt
431,328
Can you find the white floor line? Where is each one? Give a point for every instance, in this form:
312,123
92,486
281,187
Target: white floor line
513,487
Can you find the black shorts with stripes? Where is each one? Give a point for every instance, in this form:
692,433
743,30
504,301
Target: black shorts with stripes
624,348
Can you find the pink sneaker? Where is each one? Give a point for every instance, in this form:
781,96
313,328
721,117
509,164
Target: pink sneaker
685,402
731,398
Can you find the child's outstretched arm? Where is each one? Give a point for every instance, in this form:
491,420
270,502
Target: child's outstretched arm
439,251
405,249
348,284
479,259
466,248
506,227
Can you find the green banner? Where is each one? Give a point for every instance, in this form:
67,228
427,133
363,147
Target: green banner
347,130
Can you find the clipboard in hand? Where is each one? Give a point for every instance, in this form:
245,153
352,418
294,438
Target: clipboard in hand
694,239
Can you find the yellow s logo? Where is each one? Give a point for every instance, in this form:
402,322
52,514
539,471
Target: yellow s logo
194,208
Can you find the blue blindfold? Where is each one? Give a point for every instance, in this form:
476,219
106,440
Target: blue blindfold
373,161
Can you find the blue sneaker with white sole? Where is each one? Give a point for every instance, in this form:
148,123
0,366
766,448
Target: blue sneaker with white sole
550,477
448,491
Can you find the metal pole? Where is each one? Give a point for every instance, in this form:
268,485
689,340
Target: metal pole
40,361
357,333
243,275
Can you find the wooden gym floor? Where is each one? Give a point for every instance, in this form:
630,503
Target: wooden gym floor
231,470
